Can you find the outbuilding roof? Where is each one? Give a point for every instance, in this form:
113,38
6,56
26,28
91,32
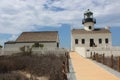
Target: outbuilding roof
44,36
38,36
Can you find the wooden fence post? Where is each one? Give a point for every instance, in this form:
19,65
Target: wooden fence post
67,61
64,71
119,63
103,58
96,57
111,63
91,55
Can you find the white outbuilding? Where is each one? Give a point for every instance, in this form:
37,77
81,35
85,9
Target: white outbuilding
49,39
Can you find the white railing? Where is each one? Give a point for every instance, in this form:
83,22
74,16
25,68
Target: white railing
86,51
107,51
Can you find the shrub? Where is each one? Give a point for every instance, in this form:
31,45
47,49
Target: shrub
38,45
0,46
41,45
22,49
24,52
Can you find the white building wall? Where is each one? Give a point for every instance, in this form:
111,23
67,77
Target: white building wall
17,46
81,51
86,26
87,38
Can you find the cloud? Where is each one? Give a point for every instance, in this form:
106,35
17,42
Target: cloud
26,15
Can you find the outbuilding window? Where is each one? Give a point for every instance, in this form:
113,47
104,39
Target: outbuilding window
100,41
106,40
83,41
57,45
76,41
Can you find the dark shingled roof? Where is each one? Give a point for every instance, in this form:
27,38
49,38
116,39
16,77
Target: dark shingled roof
82,31
10,42
44,36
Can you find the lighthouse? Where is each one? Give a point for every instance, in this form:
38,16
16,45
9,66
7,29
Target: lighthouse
90,36
88,21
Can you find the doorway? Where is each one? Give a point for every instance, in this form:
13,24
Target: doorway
92,42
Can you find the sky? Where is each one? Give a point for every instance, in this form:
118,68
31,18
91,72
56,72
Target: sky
17,16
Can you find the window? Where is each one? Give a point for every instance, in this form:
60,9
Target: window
106,40
76,41
90,27
83,41
100,41
58,45
27,47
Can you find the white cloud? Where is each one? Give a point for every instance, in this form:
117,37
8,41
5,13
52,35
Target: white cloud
21,15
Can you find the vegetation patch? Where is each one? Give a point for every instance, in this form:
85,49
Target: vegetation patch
48,65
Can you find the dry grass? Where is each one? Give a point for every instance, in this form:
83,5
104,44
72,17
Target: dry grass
48,65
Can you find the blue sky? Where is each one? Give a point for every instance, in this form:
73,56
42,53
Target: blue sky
17,16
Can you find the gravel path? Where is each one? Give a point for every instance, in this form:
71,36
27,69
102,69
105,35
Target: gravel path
86,69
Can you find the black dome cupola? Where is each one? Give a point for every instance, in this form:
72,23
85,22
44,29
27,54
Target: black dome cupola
88,21
88,17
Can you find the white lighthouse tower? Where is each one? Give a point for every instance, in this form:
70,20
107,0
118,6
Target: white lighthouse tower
88,21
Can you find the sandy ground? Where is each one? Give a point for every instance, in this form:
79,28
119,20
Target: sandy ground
88,70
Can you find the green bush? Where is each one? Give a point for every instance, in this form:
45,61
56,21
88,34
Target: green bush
41,45
0,46
38,45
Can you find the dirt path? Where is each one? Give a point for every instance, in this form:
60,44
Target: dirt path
87,70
